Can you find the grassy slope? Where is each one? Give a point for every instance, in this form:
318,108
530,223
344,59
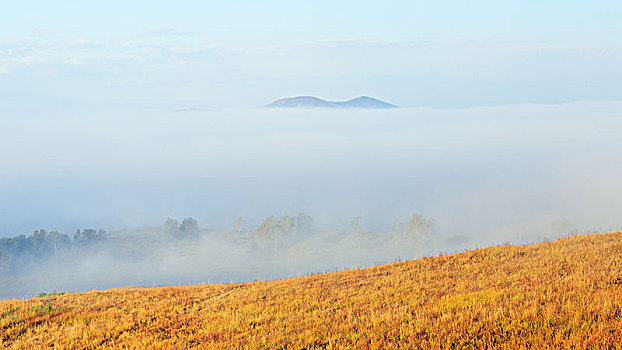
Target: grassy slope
558,295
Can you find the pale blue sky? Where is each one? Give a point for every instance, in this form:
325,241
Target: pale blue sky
156,54
142,108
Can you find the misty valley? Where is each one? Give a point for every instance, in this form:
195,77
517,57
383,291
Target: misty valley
375,186
310,175
183,253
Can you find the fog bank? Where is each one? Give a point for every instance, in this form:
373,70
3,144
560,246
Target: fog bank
493,174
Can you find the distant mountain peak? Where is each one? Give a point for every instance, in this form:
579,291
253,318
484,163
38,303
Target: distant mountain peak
364,102
301,101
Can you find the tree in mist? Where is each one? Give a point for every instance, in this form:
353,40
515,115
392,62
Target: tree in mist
268,230
12,251
267,225
17,253
40,244
419,225
59,242
89,235
272,229
189,227
273,226
286,224
171,228
88,238
303,223
239,224
398,226
356,223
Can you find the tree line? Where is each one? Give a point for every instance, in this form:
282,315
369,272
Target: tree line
42,246
19,252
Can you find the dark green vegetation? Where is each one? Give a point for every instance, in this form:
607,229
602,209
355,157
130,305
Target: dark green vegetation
49,294
19,253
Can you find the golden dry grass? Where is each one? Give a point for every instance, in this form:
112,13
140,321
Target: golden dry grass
564,294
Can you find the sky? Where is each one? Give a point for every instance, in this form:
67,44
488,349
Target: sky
480,172
81,56
118,114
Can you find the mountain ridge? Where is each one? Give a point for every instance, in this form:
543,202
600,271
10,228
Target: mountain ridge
363,102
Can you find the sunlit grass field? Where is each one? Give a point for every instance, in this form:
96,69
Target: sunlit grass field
562,294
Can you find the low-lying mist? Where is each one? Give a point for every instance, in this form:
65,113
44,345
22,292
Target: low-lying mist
485,175
279,247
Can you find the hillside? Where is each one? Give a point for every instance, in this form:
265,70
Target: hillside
363,102
562,294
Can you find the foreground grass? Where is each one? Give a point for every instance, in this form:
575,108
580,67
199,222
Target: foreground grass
564,294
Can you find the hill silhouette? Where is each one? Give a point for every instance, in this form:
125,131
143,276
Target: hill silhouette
364,102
